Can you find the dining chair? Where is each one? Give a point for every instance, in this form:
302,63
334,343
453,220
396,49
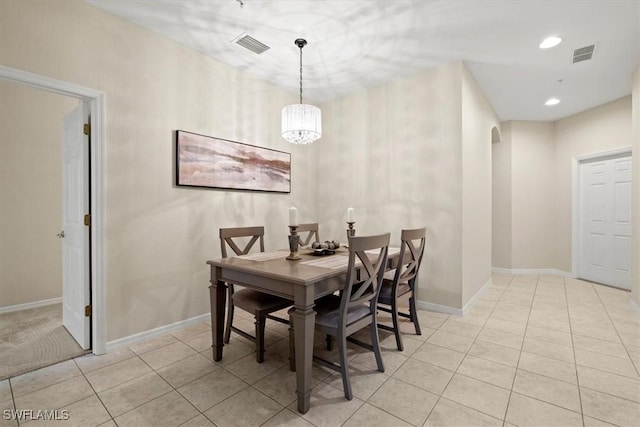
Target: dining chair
402,280
312,233
342,316
260,304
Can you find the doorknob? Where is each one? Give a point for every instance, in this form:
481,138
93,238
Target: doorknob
60,235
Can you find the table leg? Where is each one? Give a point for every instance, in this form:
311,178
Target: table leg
217,295
303,329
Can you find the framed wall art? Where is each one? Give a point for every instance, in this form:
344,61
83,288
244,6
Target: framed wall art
205,161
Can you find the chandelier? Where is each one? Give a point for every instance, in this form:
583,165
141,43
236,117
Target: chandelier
301,123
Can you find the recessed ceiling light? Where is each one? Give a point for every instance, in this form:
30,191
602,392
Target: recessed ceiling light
552,101
550,42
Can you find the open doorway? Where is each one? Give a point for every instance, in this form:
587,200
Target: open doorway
35,196
94,100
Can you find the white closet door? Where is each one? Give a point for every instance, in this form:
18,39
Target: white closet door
605,221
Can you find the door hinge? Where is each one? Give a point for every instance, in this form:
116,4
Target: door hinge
86,128
87,310
87,220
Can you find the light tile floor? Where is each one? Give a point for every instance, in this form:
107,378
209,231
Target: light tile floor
535,350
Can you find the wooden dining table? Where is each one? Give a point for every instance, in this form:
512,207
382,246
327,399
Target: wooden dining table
302,281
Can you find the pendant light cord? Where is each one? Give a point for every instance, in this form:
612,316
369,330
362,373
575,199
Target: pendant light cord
300,74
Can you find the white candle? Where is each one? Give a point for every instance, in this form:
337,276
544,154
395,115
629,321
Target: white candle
350,215
293,216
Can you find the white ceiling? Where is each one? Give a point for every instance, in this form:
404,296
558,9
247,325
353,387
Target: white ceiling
356,44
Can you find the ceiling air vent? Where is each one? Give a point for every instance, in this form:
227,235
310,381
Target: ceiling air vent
252,44
583,53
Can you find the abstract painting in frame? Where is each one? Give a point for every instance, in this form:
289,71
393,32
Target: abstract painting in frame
205,161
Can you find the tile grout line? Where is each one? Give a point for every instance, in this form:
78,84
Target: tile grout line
575,361
278,413
49,385
167,382
105,366
191,419
506,411
59,382
13,400
385,381
477,410
594,286
239,391
130,380
447,385
548,403
95,393
465,355
617,333
195,379
612,395
440,394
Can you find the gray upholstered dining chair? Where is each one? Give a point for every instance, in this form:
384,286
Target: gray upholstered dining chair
260,304
312,233
344,315
402,280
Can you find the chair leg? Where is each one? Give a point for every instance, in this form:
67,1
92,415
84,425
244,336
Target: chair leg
375,342
344,367
260,324
414,314
396,325
329,340
227,329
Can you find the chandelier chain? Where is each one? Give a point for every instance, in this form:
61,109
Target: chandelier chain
300,74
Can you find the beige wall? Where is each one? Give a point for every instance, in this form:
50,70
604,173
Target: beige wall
532,175
30,193
635,251
501,200
396,159
596,130
158,236
406,155
478,119
523,196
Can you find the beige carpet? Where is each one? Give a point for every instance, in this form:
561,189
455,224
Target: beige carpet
32,339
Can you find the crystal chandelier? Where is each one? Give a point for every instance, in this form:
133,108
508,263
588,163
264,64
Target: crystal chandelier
301,123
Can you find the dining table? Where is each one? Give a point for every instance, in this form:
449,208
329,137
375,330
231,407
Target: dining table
302,281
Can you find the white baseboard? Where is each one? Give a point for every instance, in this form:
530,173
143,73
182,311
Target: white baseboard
472,302
430,306
635,306
525,271
29,305
439,308
156,332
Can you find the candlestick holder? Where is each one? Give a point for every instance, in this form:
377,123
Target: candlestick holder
294,242
351,231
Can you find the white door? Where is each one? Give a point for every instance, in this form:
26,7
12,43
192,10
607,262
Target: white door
75,243
605,221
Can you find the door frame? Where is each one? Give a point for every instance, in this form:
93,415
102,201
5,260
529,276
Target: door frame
575,197
97,103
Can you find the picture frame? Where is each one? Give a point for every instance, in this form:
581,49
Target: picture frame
210,162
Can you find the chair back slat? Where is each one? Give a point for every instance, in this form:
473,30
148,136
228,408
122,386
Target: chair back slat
227,236
411,253
312,230
367,260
